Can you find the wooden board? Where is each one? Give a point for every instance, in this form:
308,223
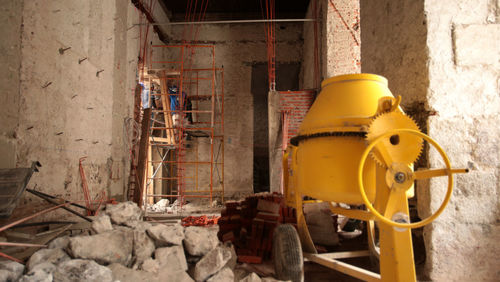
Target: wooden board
143,155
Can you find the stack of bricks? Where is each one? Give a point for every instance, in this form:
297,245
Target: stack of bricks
250,224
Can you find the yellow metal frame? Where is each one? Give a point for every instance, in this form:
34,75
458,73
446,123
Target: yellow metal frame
396,251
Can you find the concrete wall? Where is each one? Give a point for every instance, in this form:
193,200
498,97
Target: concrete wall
463,41
10,48
69,87
238,48
442,57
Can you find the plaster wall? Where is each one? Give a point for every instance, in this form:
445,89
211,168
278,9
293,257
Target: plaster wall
73,86
237,49
443,57
10,48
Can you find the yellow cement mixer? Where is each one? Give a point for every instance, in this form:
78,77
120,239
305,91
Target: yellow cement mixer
356,147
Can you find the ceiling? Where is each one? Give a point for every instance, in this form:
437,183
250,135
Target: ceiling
236,9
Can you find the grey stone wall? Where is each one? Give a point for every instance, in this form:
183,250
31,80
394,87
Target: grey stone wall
463,42
442,57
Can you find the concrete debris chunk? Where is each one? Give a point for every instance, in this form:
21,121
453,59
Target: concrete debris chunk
61,243
143,246
42,272
200,240
171,258
105,248
166,235
211,263
178,276
10,270
150,265
125,213
54,256
231,263
224,275
82,270
160,206
124,274
101,224
252,277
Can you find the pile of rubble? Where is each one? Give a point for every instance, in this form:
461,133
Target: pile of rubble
123,247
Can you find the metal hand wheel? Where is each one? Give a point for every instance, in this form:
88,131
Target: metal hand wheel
400,178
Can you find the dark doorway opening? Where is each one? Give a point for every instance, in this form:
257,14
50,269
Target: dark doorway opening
287,78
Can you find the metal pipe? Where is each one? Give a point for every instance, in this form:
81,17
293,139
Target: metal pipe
234,22
55,198
63,207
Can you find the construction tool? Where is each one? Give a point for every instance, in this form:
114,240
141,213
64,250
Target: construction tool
356,116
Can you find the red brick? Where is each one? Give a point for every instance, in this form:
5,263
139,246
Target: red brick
250,259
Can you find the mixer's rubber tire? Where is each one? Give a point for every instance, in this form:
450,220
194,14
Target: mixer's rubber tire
287,254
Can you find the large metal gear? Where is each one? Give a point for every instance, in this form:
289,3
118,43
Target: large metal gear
402,148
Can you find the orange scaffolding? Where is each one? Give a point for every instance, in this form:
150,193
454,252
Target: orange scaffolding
181,120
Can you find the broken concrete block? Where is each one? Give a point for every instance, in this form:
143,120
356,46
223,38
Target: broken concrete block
54,256
172,258
150,265
142,225
143,246
231,263
124,213
101,224
124,274
166,235
61,243
105,248
211,263
10,270
178,276
252,277
224,275
42,272
82,270
200,240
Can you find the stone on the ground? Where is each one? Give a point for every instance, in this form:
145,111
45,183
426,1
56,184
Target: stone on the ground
143,246
178,276
172,258
61,242
234,258
200,240
161,205
211,263
224,275
125,213
252,277
82,270
101,224
54,256
42,272
166,235
10,270
142,226
124,274
105,248
150,265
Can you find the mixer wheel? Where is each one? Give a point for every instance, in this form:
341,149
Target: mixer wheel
287,254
